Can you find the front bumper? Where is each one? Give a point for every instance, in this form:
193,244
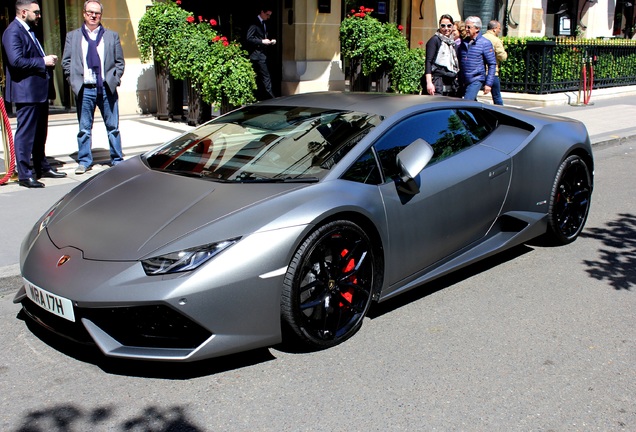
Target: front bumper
228,305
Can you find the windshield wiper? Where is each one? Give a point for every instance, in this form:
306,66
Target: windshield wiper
183,173
202,175
279,180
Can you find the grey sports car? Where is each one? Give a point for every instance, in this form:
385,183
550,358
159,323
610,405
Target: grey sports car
297,212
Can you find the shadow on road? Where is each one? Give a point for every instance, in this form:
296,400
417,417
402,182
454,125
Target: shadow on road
66,418
617,262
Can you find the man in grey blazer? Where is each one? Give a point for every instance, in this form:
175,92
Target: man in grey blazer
93,63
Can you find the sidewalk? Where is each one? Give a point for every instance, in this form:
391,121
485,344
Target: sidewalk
139,133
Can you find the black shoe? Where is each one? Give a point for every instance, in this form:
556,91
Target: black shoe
31,183
51,174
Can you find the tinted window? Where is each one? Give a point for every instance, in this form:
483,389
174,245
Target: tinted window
364,170
478,123
444,130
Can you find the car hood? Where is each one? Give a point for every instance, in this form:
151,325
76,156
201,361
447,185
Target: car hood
130,211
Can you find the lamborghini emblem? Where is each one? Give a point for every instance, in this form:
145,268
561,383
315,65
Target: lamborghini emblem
63,260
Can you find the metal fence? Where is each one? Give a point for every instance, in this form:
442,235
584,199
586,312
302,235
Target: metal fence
552,66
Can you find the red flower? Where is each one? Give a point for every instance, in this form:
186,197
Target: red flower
212,22
400,28
223,38
225,43
178,2
357,14
200,18
362,14
420,43
362,8
353,11
190,19
216,38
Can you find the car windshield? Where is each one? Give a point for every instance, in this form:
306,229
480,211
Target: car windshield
265,144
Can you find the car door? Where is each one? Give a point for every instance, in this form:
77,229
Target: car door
462,190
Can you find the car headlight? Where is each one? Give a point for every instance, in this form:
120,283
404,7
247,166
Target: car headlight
185,260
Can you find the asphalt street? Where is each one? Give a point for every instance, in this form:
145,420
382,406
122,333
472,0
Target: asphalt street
535,339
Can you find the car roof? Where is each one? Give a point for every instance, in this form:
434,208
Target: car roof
384,104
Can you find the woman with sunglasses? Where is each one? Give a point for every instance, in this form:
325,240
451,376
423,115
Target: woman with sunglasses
441,60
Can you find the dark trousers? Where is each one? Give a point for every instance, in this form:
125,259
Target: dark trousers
263,80
30,138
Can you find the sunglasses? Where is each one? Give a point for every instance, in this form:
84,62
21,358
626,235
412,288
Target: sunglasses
445,25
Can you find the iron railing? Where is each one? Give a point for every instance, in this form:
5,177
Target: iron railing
552,66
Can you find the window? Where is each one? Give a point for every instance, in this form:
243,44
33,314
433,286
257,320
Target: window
444,130
447,131
364,170
479,123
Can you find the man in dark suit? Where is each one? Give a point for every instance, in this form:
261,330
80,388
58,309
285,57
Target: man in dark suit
93,63
29,84
258,41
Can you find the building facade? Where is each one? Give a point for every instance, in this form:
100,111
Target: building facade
307,56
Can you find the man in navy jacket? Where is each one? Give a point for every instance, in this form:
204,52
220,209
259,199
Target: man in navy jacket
29,84
474,54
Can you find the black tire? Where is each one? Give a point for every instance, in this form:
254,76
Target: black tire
329,285
569,201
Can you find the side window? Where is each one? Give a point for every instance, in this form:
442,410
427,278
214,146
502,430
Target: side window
364,170
444,130
479,123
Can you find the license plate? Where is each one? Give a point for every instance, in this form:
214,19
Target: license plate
55,304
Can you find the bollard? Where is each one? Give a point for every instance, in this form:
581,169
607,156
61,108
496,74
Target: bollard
586,81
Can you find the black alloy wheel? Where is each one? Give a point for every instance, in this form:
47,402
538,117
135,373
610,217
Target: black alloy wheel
329,285
570,200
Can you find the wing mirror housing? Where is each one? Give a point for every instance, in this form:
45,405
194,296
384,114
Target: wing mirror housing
411,161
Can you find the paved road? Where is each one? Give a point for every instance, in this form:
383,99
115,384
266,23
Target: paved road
538,338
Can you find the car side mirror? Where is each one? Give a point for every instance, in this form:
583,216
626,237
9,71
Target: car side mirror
411,161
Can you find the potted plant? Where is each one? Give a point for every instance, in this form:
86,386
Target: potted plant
355,29
156,27
218,72
382,49
190,47
371,48
228,77
408,71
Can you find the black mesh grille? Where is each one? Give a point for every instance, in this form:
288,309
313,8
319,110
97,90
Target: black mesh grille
153,326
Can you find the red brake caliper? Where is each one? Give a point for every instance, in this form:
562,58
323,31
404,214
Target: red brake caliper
348,294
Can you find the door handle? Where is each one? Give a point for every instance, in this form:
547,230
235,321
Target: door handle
498,171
